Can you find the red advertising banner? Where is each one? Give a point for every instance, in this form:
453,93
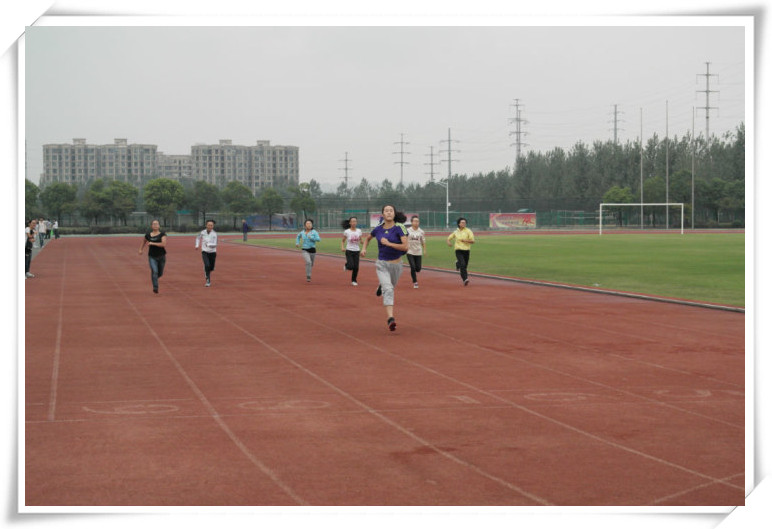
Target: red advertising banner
512,220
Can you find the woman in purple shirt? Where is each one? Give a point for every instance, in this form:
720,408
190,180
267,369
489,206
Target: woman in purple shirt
392,245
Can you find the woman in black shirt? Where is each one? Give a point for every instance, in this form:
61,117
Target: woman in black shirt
155,239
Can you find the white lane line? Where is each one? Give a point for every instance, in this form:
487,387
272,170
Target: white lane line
512,403
466,400
593,382
58,346
692,489
592,349
375,412
204,401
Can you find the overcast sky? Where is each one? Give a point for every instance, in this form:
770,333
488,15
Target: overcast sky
337,90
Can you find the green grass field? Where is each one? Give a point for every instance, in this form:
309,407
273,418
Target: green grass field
707,267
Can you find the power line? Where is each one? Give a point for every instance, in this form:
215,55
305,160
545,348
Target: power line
345,168
707,108
431,163
401,153
616,121
518,133
449,150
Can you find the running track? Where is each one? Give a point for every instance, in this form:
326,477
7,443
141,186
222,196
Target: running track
266,390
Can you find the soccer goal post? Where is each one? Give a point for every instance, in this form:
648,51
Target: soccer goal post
641,206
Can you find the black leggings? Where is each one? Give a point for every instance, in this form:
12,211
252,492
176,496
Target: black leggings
462,262
209,259
352,263
415,265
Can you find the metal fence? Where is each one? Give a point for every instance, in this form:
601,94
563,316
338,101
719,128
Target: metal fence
329,219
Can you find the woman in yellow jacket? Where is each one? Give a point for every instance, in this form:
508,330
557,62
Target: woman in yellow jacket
464,241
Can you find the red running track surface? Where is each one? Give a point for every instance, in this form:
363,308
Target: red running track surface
267,390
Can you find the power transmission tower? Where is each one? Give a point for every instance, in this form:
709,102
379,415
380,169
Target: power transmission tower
449,150
707,93
446,184
518,132
431,163
345,168
616,121
402,154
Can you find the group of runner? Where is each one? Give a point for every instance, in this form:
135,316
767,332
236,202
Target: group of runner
155,240
37,232
393,238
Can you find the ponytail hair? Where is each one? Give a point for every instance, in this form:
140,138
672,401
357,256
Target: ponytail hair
346,224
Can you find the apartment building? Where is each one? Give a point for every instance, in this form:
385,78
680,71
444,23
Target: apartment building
256,166
175,166
80,163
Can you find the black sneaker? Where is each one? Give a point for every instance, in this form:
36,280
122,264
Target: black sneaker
378,292
466,282
155,289
392,324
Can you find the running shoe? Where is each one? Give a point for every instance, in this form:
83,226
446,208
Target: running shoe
392,324
466,282
308,279
354,284
155,289
378,292
415,285
207,283
29,274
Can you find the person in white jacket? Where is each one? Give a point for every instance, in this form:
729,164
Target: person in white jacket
207,239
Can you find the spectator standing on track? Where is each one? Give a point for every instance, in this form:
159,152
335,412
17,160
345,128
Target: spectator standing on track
309,237
392,245
30,233
155,239
416,247
42,231
55,228
244,228
208,240
464,241
49,228
350,244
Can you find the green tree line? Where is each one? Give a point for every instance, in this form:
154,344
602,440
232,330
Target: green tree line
578,179
162,198
570,180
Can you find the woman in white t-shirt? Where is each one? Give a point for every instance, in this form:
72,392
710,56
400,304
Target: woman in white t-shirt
416,247
350,244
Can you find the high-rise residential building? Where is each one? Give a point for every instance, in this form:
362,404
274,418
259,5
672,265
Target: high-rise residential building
81,163
175,166
256,166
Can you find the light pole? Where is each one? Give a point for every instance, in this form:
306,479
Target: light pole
444,183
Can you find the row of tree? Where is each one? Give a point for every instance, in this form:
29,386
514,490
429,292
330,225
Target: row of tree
578,179
573,180
162,198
